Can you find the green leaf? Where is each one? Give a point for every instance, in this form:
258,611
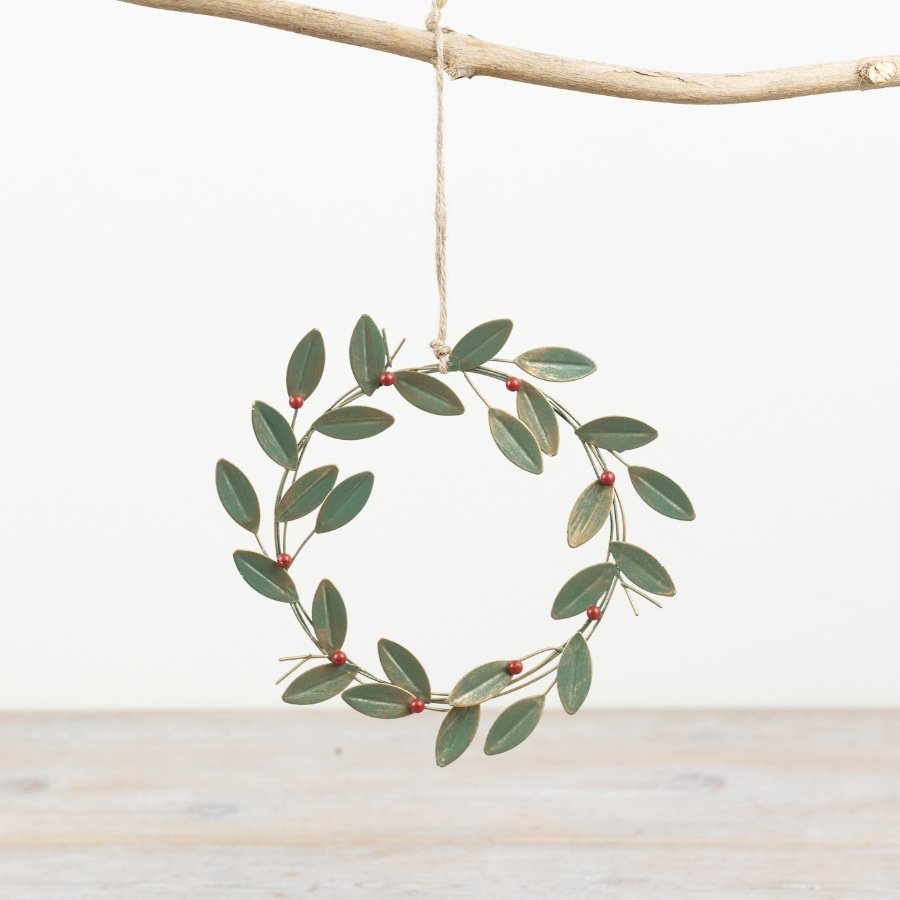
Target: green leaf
306,493
403,669
353,423
659,492
590,512
307,363
583,589
456,733
318,684
264,576
642,569
573,677
237,495
329,616
275,435
515,441
345,502
535,411
381,701
480,684
513,725
480,344
428,393
555,364
368,355
616,433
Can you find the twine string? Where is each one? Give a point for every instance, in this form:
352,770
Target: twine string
439,344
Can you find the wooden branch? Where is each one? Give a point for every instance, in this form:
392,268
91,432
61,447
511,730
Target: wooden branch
468,56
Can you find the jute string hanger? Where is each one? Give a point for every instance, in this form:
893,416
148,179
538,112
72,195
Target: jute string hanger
439,344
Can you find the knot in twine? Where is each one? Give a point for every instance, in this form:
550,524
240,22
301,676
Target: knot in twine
439,344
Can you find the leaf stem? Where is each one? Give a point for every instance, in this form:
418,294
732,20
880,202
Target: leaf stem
393,356
472,385
634,608
640,593
303,660
517,686
304,543
591,459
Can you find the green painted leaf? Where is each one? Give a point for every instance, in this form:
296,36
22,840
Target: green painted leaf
515,441
403,669
456,733
318,684
590,512
573,677
265,577
306,493
307,363
329,616
583,589
381,701
237,495
345,502
659,492
428,393
555,364
275,435
535,411
513,725
368,356
353,423
480,684
644,570
616,433
480,344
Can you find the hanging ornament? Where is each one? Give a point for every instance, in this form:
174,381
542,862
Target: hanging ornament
524,439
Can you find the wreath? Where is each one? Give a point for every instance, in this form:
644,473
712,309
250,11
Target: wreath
524,439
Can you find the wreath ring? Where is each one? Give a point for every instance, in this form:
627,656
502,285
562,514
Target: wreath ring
524,439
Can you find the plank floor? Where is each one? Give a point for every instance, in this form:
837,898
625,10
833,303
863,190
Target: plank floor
290,803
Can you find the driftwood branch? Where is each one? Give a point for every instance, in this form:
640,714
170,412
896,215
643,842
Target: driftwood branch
468,56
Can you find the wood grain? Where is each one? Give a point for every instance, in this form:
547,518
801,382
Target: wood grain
604,804
467,56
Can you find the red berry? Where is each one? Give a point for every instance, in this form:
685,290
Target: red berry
594,613
339,657
416,705
513,383
515,667
387,378
295,401
283,560
607,478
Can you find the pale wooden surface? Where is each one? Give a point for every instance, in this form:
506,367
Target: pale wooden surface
467,56
296,803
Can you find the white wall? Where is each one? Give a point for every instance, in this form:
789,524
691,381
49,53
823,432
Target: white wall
182,198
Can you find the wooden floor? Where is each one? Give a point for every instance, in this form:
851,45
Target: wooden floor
329,804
